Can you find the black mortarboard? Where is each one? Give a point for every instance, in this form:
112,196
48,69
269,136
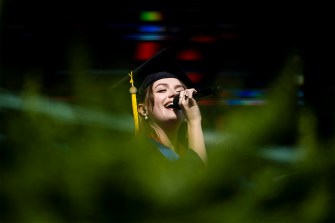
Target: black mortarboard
161,65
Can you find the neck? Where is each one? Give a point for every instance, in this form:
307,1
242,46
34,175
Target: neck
167,134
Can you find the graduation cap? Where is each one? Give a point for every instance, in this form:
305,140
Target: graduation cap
161,65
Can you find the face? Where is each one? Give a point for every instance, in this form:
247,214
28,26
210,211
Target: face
164,90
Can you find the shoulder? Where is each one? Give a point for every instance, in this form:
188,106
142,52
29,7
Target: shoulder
166,151
192,157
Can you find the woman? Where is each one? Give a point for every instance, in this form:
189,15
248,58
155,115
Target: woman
161,80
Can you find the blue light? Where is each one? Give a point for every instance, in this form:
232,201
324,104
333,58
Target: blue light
146,37
151,28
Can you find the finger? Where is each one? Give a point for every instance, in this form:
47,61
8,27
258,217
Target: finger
182,95
190,92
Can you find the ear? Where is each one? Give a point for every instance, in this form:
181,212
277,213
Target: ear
142,109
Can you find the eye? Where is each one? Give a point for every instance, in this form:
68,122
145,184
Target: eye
179,90
161,90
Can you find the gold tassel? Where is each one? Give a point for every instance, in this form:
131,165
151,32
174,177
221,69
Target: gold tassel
133,91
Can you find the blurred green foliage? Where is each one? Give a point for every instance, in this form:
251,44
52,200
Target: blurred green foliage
63,163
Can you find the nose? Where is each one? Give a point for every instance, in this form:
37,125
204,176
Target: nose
173,93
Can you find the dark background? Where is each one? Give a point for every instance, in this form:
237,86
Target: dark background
247,45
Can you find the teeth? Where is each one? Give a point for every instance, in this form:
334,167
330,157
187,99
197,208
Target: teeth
169,105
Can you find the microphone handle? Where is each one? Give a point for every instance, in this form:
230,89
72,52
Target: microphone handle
200,95
206,93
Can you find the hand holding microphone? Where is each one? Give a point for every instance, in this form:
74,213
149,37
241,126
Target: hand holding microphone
199,95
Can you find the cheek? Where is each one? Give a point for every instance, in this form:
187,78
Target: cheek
157,106
158,100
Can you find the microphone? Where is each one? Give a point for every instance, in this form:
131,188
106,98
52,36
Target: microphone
200,95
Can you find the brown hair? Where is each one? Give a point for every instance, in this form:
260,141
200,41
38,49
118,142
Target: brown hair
146,98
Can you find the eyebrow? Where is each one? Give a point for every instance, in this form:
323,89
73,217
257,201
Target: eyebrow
177,86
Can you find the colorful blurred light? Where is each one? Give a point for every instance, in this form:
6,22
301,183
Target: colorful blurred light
151,16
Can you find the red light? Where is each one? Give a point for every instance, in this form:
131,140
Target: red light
203,39
189,55
145,50
195,77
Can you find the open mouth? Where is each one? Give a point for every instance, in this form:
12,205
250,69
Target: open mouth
169,106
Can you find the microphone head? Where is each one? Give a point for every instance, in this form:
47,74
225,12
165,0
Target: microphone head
176,101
